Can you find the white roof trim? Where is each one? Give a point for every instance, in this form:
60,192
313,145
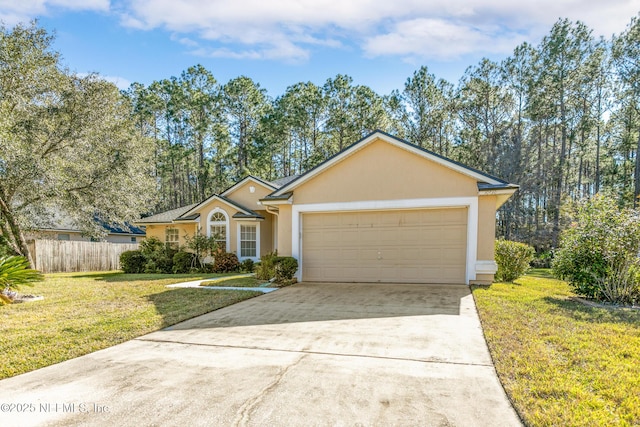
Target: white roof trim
238,184
396,142
209,200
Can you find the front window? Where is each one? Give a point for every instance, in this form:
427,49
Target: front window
172,237
218,229
64,236
248,241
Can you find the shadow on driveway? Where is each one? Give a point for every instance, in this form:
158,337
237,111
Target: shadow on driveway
319,302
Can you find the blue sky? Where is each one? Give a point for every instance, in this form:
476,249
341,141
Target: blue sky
281,42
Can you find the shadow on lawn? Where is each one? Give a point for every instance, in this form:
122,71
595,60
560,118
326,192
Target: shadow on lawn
582,312
179,304
118,276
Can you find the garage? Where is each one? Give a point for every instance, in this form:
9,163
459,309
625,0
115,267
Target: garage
405,246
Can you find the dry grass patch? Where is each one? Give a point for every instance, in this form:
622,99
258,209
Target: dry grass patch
560,361
85,312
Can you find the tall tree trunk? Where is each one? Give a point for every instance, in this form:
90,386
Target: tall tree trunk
636,175
19,242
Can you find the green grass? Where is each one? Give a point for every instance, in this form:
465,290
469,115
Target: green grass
562,363
240,282
85,312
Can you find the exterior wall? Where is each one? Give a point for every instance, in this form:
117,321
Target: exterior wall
482,279
158,230
284,230
381,171
246,198
486,227
266,233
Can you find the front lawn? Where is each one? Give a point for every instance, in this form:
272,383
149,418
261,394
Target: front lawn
85,312
561,362
238,282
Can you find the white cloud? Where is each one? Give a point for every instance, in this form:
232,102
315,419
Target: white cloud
442,29
289,29
120,82
435,38
15,11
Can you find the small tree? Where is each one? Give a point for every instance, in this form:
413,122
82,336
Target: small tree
14,273
598,253
201,245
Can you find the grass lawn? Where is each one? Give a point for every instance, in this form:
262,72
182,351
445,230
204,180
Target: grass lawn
561,362
85,312
240,282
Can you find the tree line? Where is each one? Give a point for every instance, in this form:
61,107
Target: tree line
561,119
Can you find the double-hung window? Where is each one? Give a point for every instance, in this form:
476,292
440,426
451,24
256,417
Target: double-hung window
248,241
172,237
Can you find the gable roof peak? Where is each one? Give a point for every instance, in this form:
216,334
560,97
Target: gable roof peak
400,143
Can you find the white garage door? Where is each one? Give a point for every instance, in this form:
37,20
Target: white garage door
402,246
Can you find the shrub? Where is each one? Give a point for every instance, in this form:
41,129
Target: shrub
132,262
598,253
247,266
265,270
225,262
184,262
513,259
285,268
159,257
151,245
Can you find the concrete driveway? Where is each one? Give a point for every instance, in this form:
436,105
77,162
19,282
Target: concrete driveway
311,354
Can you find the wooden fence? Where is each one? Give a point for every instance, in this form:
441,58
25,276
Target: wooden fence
55,256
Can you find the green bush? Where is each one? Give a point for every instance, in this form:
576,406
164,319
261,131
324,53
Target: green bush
132,262
225,262
598,253
184,262
247,266
265,270
513,259
285,268
159,257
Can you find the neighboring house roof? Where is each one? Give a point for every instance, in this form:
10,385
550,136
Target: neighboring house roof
59,221
481,177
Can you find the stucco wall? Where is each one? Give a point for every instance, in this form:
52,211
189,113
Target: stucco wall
246,198
381,171
486,227
158,231
284,230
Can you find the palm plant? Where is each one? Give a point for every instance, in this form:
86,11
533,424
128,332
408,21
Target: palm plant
15,272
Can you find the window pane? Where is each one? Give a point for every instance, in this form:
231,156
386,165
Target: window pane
248,240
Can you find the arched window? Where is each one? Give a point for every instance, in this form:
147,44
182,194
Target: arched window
218,226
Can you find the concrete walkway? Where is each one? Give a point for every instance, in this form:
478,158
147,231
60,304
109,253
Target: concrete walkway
197,283
308,355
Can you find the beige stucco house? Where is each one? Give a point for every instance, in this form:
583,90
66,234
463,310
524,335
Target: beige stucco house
382,210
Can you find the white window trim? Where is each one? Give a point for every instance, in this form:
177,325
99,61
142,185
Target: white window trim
166,236
226,222
239,235
471,203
